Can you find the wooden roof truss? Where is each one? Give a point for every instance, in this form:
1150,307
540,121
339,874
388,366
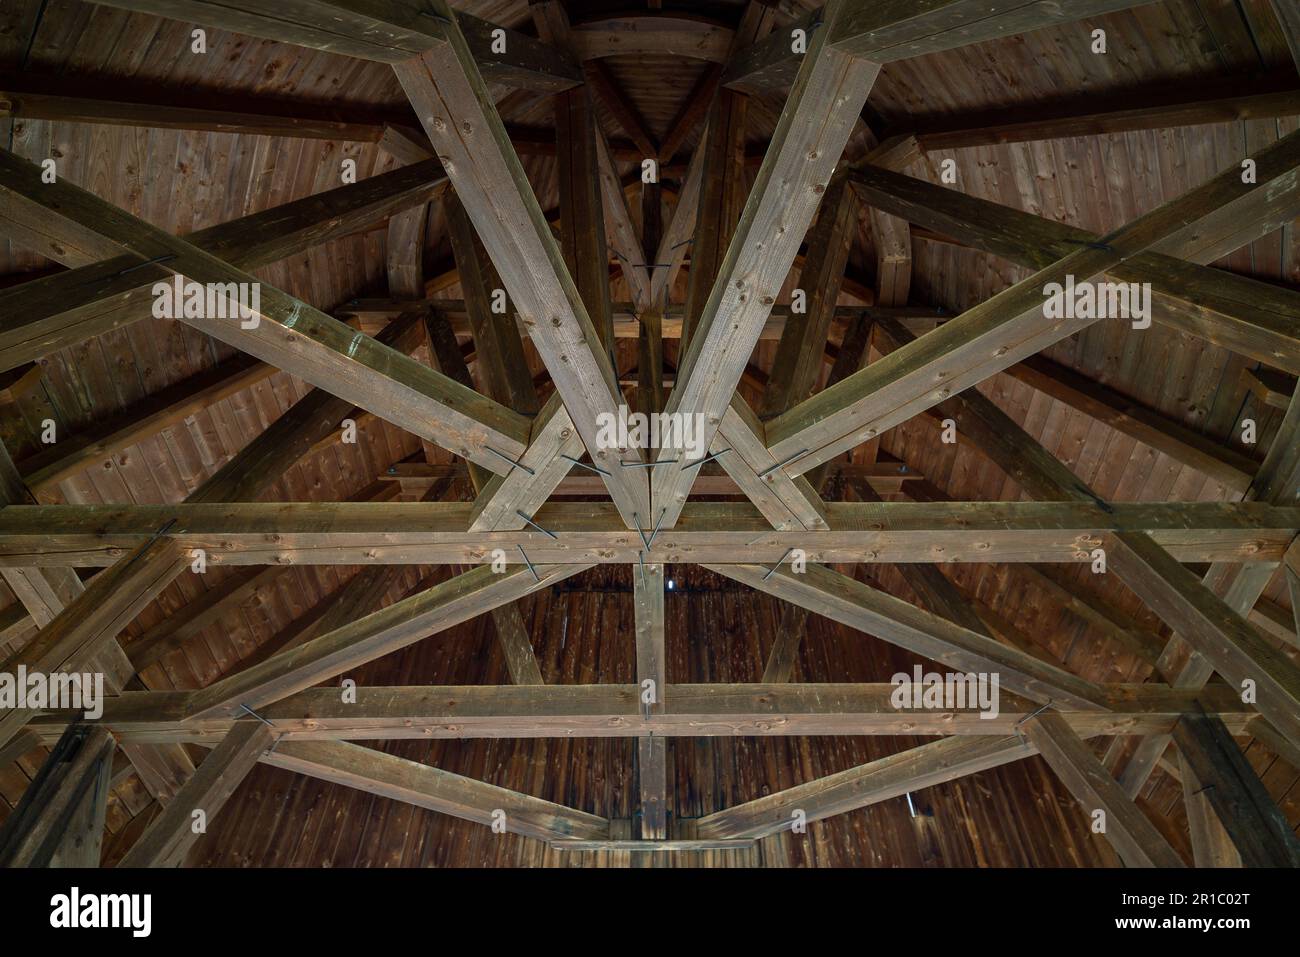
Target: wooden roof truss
519,452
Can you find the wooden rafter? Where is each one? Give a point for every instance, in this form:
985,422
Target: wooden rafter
436,609
172,833
1012,325
1133,836
447,91
289,333
823,105
101,293
1241,314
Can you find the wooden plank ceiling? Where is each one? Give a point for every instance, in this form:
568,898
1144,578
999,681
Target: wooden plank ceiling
148,412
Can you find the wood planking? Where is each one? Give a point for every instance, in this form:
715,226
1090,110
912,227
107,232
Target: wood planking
898,30
389,34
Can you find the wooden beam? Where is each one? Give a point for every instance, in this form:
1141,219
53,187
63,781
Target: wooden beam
290,334
601,80
1012,325
790,630
1220,462
91,107
512,633
678,237
810,136
1269,386
652,752
1291,572
553,445
111,290
770,63
176,629
401,780
1186,665
1211,845
623,239
1092,609
582,218
502,365
172,834
60,820
86,623
884,477
47,593
1261,833
1240,314
1163,112
658,35
894,776
1134,838
852,603
431,611
86,627
719,202
650,341
610,710
389,33
691,114
1288,17
447,91
1211,627
996,435
797,365
885,32
76,453
253,533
